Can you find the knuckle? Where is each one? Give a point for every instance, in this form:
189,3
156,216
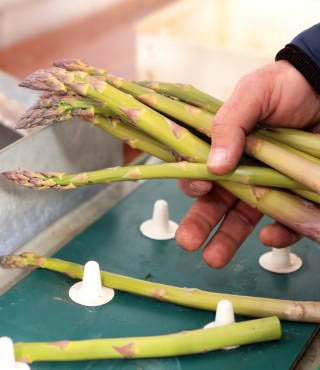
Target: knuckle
219,129
251,82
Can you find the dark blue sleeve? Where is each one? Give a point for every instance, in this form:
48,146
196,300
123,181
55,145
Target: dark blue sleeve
309,42
304,54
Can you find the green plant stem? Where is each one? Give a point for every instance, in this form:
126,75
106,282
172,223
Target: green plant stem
63,108
292,162
252,175
277,156
123,105
177,344
177,138
186,93
282,206
307,194
180,111
134,138
305,141
305,311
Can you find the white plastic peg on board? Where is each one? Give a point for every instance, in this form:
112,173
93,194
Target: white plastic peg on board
7,357
89,291
280,260
224,316
160,227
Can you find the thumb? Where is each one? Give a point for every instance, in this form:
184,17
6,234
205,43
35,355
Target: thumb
233,121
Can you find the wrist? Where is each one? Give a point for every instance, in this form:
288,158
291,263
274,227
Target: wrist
302,62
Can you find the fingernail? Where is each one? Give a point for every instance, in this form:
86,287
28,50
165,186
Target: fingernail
217,157
200,187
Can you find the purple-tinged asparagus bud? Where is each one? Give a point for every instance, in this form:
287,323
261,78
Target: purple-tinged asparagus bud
35,117
43,80
74,64
37,180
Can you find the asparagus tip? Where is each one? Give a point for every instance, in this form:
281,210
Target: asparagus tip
14,261
43,80
54,108
70,64
74,64
35,180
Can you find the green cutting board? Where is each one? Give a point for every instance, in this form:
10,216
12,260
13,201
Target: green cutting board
39,309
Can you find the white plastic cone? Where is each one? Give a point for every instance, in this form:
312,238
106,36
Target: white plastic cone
160,227
280,260
89,291
224,316
7,358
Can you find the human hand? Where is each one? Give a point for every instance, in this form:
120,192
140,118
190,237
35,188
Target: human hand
276,95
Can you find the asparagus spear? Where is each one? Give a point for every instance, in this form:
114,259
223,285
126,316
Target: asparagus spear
306,311
55,108
305,141
183,112
123,105
292,162
177,344
63,108
259,148
186,93
250,175
300,215
306,194
177,138
180,170
59,108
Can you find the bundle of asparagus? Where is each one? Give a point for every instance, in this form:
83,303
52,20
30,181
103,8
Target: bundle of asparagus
172,122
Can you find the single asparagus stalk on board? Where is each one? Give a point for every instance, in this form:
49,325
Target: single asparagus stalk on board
63,108
176,344
305,311
183,112
187,145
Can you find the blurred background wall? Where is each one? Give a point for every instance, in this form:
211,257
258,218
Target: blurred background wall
20,19
209,43
212,43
